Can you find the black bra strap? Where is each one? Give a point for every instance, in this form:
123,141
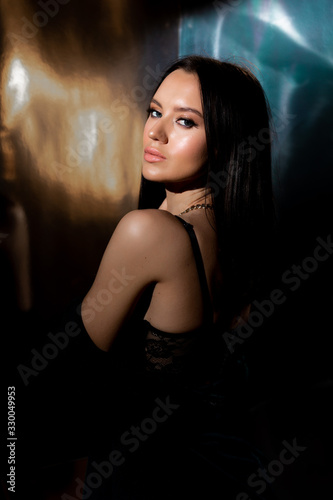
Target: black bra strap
208,310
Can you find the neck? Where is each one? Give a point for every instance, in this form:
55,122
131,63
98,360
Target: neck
176,202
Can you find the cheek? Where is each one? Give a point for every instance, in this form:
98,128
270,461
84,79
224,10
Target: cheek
191,149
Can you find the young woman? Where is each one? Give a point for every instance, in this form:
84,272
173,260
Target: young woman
186,265
203,160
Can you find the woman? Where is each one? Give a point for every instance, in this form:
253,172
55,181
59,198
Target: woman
190,260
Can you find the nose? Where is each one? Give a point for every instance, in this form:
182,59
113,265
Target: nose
158,133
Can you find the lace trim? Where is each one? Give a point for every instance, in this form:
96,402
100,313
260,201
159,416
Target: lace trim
168,352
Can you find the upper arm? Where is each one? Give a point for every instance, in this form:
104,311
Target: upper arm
127,267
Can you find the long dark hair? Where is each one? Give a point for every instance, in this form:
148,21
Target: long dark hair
239,136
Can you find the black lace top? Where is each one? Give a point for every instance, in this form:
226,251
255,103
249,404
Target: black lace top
169,352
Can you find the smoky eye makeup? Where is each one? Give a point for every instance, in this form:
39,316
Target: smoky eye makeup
188,123
151,111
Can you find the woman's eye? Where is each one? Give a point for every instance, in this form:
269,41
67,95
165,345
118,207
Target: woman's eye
185,122
153,113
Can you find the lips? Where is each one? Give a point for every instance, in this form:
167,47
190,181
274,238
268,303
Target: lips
152,155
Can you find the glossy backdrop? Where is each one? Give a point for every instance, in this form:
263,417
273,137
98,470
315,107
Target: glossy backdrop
75,80
76,77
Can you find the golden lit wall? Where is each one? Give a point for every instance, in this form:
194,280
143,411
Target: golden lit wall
76,77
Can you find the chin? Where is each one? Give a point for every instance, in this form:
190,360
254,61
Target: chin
150,175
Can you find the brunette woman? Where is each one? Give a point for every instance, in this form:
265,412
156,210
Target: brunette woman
186,266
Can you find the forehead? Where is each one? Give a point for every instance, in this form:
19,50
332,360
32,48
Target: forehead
180,87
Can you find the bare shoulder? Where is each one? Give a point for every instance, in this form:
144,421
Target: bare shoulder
154,233
148,215
144,248
149,225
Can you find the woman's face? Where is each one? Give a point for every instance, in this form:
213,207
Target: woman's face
174,137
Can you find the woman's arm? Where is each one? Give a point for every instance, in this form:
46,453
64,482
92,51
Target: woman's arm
128,266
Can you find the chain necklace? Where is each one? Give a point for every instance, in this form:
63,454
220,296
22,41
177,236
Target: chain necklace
195,207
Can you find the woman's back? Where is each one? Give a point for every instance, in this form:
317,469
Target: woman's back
152,248
172,424
177,304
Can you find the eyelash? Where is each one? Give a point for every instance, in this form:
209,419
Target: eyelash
190,122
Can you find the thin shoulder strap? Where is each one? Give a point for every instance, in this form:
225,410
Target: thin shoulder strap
208,310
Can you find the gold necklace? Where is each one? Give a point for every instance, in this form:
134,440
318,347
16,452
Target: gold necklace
195,207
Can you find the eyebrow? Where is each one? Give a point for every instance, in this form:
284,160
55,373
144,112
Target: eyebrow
180,108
